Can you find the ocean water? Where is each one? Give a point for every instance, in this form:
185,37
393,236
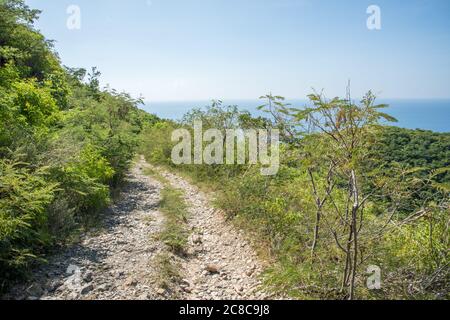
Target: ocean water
412,114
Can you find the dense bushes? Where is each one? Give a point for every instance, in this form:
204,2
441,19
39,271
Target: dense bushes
24,197
280,211
425,153
64,143
416,148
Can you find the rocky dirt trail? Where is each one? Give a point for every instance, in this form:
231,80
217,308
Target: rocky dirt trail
220,264
118,261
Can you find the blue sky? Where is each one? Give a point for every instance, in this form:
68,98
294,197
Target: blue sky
171,50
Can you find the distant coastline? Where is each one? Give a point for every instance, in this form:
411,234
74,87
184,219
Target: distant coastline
425,114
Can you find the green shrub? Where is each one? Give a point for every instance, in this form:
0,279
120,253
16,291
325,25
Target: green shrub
280,212
156,142
64,143
174,234
24,197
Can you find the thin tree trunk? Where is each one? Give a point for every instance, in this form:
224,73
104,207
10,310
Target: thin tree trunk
318,213
316,233
354,227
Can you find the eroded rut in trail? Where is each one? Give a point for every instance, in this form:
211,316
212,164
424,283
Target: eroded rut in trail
120,260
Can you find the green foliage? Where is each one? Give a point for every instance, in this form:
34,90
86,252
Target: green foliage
415,149
168,276
36,106
425,155
24,196
156,142
174,234
64,143
279,211
23,45
85,180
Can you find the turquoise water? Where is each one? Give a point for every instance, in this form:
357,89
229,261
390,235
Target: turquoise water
412,114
